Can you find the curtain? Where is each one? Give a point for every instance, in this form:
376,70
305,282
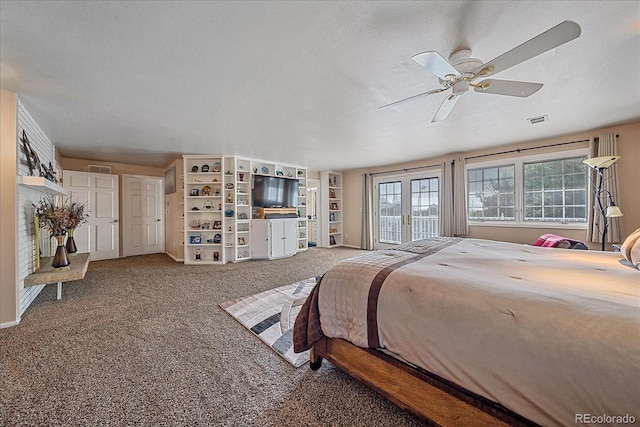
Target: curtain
446,213
604,145
593,216
460,221
367,212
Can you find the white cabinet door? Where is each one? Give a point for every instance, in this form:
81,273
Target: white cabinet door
260,241
274,238
100,234
278,237
290,234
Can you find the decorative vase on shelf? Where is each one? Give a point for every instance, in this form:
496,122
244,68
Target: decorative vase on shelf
71,243
60,259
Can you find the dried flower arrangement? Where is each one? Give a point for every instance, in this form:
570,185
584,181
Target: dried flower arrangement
58,219
78,214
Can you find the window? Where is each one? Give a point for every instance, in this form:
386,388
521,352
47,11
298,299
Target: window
550,188
491,193
555,191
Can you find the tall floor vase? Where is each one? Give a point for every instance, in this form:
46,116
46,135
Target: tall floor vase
60,259
71,243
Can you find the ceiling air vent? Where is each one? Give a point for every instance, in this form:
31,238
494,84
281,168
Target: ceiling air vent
539,119
99,169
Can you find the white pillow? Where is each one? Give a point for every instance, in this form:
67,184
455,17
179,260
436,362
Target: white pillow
635,254
631,248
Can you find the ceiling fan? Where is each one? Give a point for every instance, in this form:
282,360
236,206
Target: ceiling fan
461,71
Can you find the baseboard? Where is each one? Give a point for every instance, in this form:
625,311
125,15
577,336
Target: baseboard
173,257
10,324
351,246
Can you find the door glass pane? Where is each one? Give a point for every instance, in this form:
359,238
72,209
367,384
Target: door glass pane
424,208
390,208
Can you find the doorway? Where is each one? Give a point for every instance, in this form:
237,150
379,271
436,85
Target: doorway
406,208
312,211
143,215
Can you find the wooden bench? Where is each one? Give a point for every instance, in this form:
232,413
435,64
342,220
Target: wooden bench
48,274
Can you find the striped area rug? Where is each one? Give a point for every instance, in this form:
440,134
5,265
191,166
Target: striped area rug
270,315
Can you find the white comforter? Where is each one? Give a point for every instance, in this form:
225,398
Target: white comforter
552,334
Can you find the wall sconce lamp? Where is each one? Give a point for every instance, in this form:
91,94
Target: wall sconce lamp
607,207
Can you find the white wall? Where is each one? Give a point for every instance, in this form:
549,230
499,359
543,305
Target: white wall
26,199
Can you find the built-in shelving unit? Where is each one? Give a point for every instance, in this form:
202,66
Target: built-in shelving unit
203,213
303,240
229,208
260,167
243,212
331,234
218,209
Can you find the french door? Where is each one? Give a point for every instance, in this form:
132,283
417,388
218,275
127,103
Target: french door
407,208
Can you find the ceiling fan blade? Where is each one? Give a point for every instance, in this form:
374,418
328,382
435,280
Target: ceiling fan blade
554,37
435,63
508,87
413,97
445,108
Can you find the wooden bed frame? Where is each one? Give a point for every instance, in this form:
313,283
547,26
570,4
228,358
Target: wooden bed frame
428,396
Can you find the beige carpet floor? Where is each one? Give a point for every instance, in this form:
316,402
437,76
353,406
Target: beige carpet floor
143,341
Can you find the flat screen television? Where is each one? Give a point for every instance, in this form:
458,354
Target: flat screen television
274,192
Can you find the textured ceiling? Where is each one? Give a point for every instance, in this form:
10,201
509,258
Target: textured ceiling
301,82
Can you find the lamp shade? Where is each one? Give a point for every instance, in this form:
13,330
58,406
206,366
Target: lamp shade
613,211
602,162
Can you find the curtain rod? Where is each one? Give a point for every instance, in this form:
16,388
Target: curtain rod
518,150
406,169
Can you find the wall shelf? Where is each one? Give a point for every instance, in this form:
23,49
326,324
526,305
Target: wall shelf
42,185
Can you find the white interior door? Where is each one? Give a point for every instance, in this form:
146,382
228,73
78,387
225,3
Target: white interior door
143,215
100,234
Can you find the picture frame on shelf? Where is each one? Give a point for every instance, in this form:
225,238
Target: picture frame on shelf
170,181
333,206
332,193
217,225
195,239
241,241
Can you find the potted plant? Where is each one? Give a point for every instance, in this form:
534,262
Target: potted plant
55,218
77,215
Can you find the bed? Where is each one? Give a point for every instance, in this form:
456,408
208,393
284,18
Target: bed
478,332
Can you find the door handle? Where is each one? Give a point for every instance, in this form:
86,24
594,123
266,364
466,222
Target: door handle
115,220
158,220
